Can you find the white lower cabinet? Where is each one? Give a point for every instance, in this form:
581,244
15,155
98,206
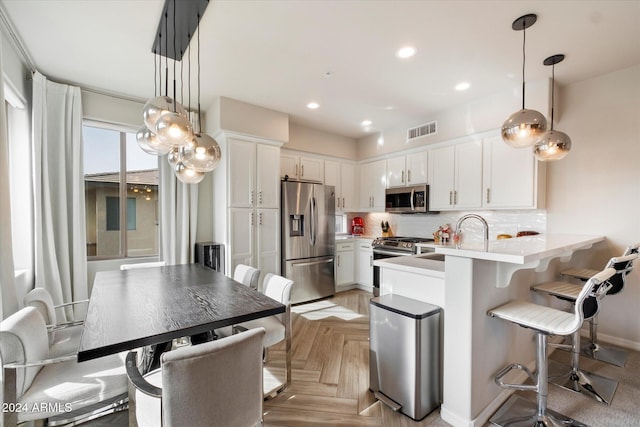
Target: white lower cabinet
364,274
345,263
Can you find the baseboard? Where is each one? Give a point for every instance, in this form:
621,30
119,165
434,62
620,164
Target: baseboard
342,288
610,339
365,287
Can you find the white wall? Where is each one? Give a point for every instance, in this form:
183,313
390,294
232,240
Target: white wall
303,138
596,188
478,116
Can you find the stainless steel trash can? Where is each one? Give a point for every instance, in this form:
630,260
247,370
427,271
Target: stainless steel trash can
405,354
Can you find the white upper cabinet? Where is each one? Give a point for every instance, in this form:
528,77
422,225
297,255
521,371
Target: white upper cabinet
301,168
372,185
348,200
407,170
456,176
252,182
510,176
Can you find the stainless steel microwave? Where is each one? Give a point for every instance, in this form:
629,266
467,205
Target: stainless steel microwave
414,199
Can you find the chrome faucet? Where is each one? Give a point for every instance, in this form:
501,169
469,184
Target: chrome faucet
485,226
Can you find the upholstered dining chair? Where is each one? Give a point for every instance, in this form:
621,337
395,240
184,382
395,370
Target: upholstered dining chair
59,390
64,337
247,275
278,327
217,383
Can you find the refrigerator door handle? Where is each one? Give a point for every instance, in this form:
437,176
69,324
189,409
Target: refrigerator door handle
306,264
314,219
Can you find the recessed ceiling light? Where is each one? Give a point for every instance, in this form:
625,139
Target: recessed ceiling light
313,105
406,52
366,123
463,86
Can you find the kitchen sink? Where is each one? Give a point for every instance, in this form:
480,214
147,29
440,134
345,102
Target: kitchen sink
431,256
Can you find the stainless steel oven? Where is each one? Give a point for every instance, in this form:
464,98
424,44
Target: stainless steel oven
390,247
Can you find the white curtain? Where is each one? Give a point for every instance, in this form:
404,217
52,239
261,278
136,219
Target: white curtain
8,298
178,217
60,242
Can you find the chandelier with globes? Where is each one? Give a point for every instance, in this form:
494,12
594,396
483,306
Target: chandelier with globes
167,128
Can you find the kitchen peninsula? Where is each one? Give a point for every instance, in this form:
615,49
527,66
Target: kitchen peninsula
476,346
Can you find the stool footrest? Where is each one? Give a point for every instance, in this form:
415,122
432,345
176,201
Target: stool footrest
504,371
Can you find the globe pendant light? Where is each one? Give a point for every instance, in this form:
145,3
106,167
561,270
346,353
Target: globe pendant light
158,106
202,154
524,127
173,156
554,145
188,175
150,143
174,129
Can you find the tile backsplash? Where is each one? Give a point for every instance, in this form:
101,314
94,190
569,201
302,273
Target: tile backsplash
421,225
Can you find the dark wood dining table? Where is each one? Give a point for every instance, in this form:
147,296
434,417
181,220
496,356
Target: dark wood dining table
129,309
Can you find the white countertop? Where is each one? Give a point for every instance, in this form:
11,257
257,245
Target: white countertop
522,250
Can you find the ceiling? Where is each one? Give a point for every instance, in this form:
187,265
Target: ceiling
276,54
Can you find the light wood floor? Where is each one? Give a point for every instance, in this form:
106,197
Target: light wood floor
330,370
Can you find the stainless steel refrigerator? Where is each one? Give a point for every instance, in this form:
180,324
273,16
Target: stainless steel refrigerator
308,239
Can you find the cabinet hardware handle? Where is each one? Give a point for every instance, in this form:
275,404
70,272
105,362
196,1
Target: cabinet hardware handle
338,202
296,169
343,203
402,179
455,197
260,218
450,197
371,261
373,201
409,175
260,197
251,220
302,170
488,198
251,197
338,261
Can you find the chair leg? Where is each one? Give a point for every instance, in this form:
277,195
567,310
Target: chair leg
519,412
574,379
593,350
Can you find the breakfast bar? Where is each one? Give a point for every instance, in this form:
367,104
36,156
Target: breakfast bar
475,345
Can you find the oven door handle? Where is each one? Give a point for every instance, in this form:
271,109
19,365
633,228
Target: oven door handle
393,253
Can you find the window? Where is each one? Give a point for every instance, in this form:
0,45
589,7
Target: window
116,169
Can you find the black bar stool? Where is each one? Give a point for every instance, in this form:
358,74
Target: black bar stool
544,321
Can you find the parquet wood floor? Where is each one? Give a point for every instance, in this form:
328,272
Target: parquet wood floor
330,370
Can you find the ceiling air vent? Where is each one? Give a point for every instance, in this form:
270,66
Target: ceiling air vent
422,130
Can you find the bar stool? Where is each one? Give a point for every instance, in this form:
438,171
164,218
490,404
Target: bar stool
544,321
573,378
593,349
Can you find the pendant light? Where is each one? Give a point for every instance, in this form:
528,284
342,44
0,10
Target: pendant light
554,144
202,153
524,127
173,127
